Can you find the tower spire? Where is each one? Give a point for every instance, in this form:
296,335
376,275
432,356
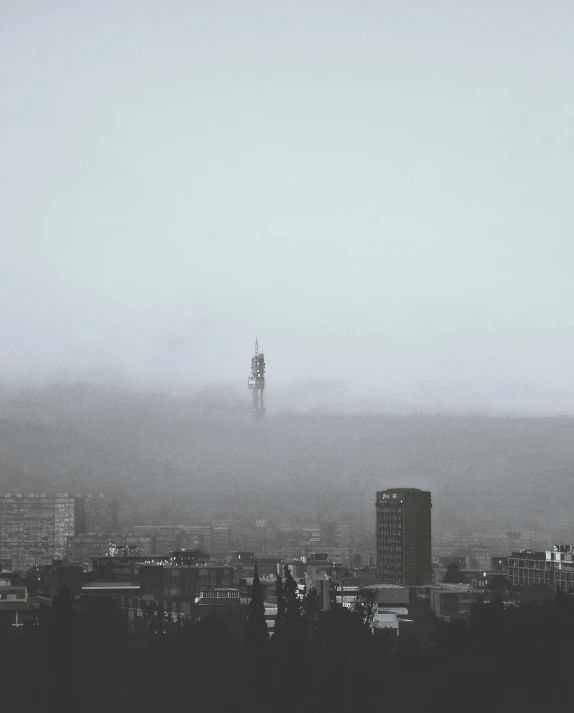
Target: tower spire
256,381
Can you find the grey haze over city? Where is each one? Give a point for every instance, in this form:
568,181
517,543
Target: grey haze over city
381,191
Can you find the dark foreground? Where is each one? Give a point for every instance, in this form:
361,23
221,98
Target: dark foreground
507,658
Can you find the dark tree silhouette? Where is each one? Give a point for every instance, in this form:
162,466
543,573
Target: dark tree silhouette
280,596
153,620
365,605
423,621
63,613
256,626
292,601
453,574
535,594
335,660
311,605
500,585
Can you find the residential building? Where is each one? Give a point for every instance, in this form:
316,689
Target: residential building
445,560
450,601
390,605
129,547
47,580
404,536
269,566
499,564
254,537
34,527
472,577
137,610
185,581
552,568
310,536
268,587
96,514
190,557
221,537
167,538
12,588
333,555
122,569
16,607
81,548
243,562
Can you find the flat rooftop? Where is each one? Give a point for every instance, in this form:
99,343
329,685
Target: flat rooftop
529,555
97,586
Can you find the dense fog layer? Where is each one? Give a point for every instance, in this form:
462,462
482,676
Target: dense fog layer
205,455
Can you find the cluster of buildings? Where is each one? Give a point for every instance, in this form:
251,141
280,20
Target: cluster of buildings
36,528
162,574
48,541
478,546
488,562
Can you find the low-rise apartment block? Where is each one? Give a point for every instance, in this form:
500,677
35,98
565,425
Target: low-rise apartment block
553,568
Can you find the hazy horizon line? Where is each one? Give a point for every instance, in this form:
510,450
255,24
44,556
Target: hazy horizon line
311,396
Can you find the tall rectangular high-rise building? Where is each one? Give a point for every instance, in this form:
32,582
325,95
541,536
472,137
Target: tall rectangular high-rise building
96,514
34,527
404,536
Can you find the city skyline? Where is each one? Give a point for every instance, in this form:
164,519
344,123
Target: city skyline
377,512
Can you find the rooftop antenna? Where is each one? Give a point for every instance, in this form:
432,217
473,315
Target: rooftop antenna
256,381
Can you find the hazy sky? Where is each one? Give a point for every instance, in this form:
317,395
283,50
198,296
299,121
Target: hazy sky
381,190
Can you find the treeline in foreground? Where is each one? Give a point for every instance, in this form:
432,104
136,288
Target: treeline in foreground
505,658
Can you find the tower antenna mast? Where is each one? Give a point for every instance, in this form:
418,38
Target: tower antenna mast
256,381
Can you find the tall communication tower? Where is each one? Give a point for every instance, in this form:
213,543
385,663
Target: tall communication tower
256,381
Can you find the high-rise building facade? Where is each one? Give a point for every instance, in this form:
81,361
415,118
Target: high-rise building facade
96,514
404,536
34,528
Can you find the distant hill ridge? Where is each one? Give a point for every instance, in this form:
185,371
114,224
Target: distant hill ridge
153,449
